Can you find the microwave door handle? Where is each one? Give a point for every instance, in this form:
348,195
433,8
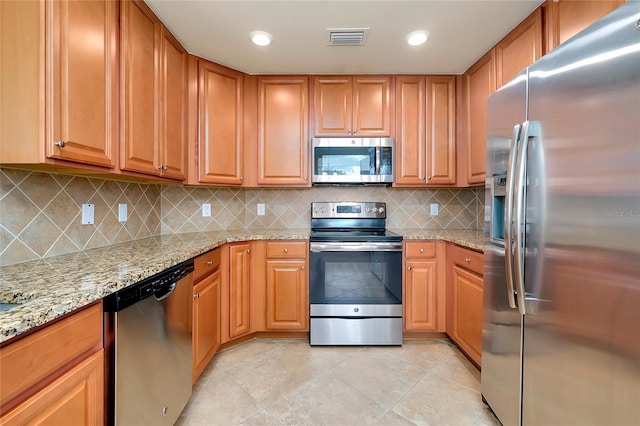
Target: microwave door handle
508,216
378,153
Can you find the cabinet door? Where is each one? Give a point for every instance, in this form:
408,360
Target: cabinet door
480,84
420,302
206,322
239,284
287,295
220,124
467,311
75,398
81,82
140,86
283,114
410,135
173,106
441,130
333,106
371,106
566,18
519,49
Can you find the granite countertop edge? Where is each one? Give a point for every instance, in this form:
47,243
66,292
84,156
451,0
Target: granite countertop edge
49,288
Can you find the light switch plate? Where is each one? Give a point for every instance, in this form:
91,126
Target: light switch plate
206,210
433,209
88,214
122,212
260,209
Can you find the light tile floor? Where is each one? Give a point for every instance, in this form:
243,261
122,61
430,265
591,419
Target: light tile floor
269,382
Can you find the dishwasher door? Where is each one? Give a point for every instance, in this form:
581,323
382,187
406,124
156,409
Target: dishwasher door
153,357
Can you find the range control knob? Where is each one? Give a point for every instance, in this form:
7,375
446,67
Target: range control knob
381,210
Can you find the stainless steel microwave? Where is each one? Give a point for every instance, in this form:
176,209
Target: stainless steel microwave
352,161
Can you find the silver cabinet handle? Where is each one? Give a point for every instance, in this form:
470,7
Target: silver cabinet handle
286,250
468,260
302,267
209,262
428,177
409,268
241,177
421,250
248,251
196,296
60,143
348,130
355,131
305,178
162,168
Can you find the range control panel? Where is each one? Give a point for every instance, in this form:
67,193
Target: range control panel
348,209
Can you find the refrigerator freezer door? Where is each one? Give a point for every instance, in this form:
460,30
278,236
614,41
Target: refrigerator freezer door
501,330
581,362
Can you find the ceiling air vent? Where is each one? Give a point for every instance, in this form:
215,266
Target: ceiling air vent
348,36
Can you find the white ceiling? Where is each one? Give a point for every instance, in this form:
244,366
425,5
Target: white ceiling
461,31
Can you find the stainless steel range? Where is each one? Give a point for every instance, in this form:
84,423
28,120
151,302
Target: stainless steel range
355,275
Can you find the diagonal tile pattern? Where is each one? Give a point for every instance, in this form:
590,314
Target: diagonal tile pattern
40,212
266,382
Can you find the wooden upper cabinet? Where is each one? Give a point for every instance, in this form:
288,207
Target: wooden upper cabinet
173,106
410,164
480,83
283,136
58,97
519,49
441,130
425,131
154,90
352,106
566,18
220,124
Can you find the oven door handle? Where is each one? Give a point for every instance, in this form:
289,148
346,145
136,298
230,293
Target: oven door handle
355,246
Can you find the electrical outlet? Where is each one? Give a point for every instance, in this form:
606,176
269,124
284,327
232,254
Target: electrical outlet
88,214
206,210
260,209
434,209
122,212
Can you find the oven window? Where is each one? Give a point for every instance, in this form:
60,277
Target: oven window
368,277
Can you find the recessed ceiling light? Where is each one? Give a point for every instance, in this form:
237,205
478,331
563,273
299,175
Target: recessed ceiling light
261,38
417,38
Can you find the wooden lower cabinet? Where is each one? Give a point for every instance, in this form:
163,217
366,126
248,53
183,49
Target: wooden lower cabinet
56,374
75,398
464,297
206,322
238,301
287,295
286,286
423,292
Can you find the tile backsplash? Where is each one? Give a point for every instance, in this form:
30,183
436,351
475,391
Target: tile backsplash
40,212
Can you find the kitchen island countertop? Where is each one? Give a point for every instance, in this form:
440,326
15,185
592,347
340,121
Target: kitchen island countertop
49,288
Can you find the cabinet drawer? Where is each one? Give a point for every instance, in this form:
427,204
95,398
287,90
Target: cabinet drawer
420,249
36,356
287,249
466,258
206,263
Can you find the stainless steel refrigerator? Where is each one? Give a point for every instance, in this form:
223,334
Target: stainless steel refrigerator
561,330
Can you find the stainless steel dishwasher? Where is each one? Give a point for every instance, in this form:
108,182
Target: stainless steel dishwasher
148,328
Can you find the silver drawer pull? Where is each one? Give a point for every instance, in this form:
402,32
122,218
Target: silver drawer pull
286,250
209,262
466,259
60,144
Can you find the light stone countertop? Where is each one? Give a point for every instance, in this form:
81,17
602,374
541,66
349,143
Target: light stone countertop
49,288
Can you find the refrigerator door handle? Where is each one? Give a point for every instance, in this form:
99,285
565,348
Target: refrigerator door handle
508,216
519,201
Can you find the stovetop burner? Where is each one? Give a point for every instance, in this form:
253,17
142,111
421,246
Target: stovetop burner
350,222
354,236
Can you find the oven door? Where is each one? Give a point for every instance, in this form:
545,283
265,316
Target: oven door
360,275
